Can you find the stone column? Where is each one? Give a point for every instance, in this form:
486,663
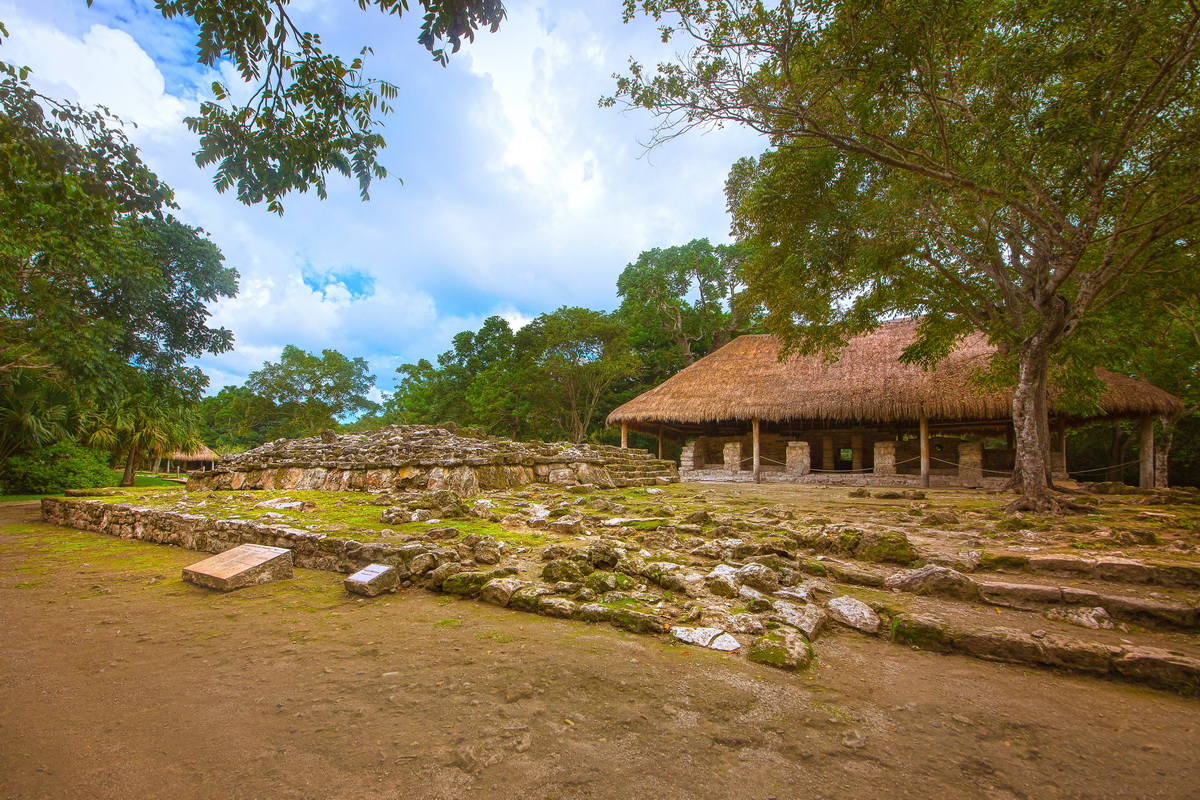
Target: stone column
856,451
885,458
827,452
799,458
687,457
733,456
970,463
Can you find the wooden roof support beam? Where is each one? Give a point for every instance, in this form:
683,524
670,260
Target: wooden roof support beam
757,449
924,450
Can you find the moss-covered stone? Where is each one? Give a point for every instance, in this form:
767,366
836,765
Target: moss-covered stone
782,649
1002,561
562,569
925,632
637,621
885,546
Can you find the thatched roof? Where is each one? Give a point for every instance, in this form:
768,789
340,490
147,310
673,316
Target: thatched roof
867,384
203,454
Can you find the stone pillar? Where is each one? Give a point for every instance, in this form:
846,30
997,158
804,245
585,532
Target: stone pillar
856,452
687,457
733,456
799,458
827,452
885,458
970,463
1146,453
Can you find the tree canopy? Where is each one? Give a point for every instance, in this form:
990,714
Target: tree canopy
316,390
311,112
1012,167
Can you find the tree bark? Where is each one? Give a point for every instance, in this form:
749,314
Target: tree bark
130,464
1031,427
1116,454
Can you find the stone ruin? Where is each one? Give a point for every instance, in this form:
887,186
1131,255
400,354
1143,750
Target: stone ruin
429,458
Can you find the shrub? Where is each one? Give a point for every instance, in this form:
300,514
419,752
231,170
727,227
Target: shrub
54,468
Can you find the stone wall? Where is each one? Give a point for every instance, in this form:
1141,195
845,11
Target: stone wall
426,457
194,532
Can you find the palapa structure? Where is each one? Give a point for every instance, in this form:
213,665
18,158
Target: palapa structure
864,418
204,458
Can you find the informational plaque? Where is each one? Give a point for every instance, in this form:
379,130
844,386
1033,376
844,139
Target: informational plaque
244,565
373,580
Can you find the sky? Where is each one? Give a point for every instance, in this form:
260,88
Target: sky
519,194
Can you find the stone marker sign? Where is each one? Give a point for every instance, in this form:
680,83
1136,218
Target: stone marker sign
372,580
245,565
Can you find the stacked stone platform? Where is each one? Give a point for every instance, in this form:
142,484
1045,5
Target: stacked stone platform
424,457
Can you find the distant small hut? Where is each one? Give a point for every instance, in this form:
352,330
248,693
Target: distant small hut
204,458
866,418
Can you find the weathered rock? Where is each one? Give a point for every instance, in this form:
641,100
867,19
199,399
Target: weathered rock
934,581
1094,618
559,607
373,580
561,569
759,577
242,566
809,619
712,638
853,613
500,590
637,621
594,612
782,649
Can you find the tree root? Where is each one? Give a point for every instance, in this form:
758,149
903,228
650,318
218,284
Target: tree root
1048,503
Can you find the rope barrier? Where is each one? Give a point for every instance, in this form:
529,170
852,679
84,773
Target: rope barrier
1104,469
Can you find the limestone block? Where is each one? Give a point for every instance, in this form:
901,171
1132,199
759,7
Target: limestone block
970,463
733,456
373,580
885,458
245,565
799,458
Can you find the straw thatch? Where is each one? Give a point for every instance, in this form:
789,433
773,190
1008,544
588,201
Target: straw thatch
203,454
867,384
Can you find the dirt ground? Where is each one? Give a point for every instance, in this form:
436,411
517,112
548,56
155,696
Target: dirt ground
118,680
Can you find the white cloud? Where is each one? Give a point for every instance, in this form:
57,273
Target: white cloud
520,194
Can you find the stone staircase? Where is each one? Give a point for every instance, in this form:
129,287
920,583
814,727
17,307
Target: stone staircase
636,467
1116,618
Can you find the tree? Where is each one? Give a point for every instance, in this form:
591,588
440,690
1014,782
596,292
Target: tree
148,421
94,272
311,112
314,391
579,354
693,293
1011,167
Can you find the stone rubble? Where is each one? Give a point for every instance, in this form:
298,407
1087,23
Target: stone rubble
428,457
760,583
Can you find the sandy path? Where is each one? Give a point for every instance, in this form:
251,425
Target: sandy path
120,681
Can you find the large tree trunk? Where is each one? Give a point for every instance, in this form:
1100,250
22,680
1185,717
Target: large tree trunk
1116,454
1162,451
130,464
1031,426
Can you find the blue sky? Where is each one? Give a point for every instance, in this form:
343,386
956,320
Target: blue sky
519,194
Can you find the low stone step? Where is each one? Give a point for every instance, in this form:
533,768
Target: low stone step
1158,667
1036,596
1123,570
